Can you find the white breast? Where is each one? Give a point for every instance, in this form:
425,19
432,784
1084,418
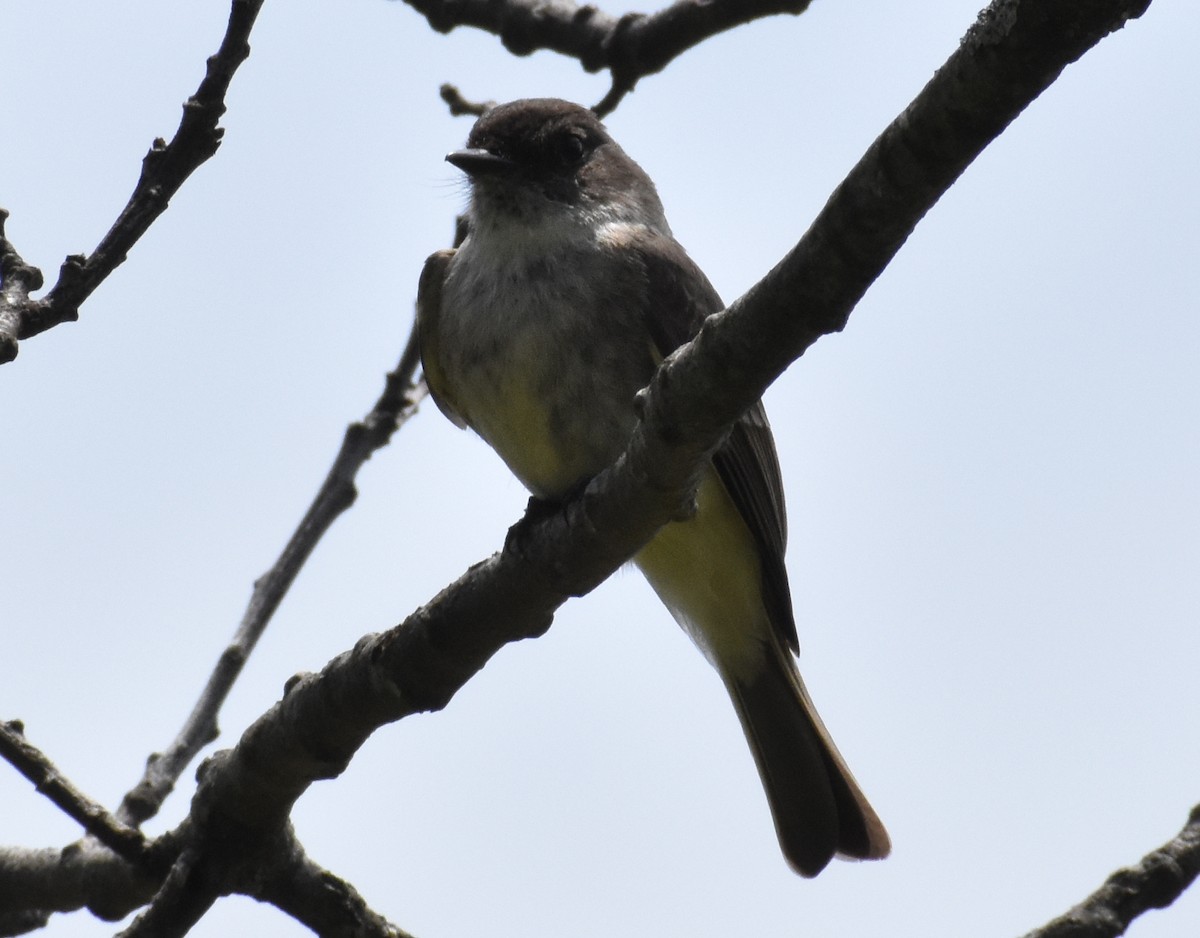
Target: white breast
543,345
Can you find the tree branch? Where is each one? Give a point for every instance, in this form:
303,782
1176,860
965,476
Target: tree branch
17,281
188,892
32,763
459,106
630,47
164,170
398,402
36,882
245,795
326,904
1155,883
112,895
1013,52
1016,50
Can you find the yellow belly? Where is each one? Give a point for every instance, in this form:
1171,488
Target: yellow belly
707,571
517,426
554,428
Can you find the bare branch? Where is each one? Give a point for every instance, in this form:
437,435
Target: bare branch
32,763
268,865
399,400
1005,62
1008,58
241,808
1014,51
460,106
328,905
17,281
187,894
164,170
1155,883
630,47
34,883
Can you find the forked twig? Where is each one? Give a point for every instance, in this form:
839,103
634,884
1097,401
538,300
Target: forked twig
164,169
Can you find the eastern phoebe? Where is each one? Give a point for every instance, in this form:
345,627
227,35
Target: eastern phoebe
538,331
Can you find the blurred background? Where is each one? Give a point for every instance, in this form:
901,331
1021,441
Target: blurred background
991,473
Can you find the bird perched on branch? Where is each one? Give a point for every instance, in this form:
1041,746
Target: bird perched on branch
537,333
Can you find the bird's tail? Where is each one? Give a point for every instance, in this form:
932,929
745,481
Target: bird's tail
818,809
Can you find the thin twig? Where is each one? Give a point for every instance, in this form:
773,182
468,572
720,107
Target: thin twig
164,169
460,106
616,94
399,400
31,762
630,47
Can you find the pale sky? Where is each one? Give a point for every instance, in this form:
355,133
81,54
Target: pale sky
991,474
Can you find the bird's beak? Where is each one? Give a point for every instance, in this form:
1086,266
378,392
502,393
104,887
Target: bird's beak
479,162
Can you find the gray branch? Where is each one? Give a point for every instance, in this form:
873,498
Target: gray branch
1157,881
630,47
238,835
1013,53
337,493
32,763
164,169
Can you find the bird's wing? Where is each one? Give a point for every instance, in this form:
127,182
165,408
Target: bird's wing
429,309
679,297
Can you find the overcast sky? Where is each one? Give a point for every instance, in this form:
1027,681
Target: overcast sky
991,473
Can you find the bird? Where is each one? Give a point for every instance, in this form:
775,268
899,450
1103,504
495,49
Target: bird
538,331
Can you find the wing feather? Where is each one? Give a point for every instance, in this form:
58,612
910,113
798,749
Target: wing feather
679,299
429,309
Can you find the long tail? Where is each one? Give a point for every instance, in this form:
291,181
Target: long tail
818,809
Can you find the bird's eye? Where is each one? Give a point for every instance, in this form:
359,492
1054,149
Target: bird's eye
569,149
